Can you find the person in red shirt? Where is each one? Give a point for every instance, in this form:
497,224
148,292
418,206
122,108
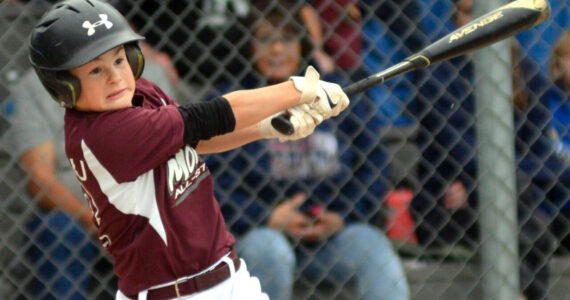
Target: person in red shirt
136,153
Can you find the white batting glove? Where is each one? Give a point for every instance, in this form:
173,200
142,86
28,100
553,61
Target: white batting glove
302,117
315,114
326,97
331,99
307,85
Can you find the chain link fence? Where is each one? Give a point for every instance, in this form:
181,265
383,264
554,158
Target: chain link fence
405,157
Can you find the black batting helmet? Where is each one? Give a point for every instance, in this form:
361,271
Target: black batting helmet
73,33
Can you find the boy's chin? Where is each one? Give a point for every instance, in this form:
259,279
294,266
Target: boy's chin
106,106
123,103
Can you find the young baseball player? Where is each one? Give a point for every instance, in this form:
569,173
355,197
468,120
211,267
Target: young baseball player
135,152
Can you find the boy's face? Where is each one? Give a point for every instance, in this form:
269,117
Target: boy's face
277,52
107,82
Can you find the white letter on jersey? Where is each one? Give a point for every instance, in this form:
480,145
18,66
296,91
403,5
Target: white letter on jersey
181,166
82,177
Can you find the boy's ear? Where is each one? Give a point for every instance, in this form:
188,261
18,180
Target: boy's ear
62,86
136,59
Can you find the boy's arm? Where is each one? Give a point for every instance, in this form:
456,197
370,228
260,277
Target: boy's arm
302,118
305,97
252,106
229,141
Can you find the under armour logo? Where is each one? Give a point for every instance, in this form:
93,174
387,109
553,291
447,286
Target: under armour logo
91,27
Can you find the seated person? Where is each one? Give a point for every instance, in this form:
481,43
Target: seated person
444,208
546,133
305,205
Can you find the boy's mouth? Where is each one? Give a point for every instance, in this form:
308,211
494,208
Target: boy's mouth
117,94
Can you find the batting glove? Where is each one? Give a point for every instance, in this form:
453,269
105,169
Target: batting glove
326,97
303,118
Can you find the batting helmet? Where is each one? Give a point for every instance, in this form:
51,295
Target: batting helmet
73,33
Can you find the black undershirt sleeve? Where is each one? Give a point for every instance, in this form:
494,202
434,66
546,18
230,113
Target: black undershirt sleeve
205,120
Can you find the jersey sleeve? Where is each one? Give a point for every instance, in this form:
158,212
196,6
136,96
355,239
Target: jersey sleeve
132,141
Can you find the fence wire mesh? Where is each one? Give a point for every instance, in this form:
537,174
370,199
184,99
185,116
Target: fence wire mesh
402,157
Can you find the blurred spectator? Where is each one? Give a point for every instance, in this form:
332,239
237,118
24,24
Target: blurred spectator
17,276
365,37
445,209
558,102
13,214
545,133
74,268
538,41
304,206
389,35
535,242
340,36
37,134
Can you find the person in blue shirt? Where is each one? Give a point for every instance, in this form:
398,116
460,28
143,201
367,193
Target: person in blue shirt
445,209
535,242
445,108
546,134
389,35
303,208
539,40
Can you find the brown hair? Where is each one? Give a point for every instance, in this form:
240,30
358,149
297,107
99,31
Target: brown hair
520,96
561,48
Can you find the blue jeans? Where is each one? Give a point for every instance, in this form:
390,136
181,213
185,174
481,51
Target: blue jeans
360,251
61,256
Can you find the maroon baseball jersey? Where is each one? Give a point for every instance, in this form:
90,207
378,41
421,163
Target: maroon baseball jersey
152,196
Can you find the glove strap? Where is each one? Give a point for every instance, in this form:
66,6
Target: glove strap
307,85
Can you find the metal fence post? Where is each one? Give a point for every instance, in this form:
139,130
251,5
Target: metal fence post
496,164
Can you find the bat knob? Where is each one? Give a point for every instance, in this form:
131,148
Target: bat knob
283,124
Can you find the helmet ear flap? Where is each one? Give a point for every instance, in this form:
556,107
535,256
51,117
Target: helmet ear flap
136,59
62,86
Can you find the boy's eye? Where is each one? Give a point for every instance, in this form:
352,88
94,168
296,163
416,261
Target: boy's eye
95,71
118,61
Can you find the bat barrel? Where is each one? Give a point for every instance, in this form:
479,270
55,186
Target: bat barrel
490,28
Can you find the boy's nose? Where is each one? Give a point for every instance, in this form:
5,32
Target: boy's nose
114,74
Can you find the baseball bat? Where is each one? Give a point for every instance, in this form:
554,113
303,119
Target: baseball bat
490,28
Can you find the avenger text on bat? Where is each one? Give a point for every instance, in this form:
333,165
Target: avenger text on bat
471,28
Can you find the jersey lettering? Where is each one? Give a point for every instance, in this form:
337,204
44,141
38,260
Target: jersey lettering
105,240
181,169
83,175
92,205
